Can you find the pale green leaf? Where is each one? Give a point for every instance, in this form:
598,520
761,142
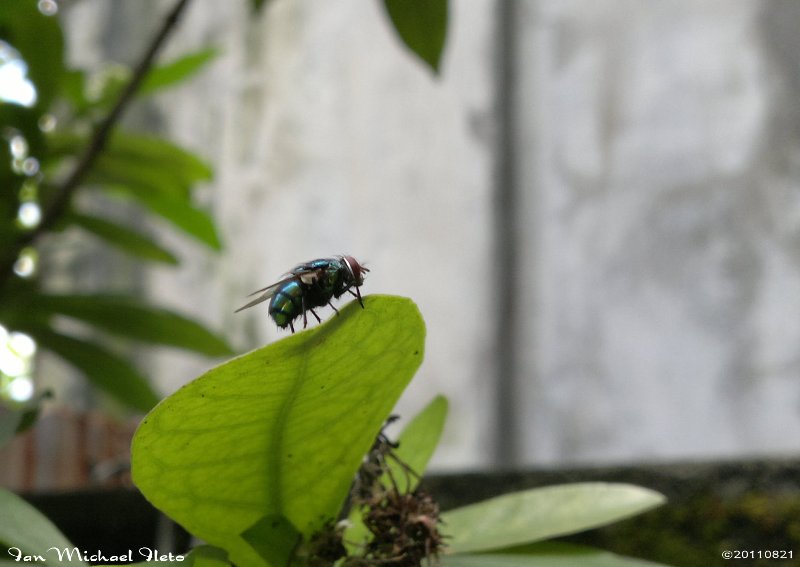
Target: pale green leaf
22,526
281,430
542,513
420,438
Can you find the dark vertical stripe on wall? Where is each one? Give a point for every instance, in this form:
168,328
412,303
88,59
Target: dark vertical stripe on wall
506,452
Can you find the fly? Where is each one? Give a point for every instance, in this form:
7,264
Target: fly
310,285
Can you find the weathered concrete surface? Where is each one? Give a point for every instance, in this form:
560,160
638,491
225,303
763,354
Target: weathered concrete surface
657,143
661,194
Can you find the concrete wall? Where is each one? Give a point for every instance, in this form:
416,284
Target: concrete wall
660,245
655,169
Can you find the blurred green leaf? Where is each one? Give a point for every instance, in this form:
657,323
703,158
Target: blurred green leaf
137,149
258,5
104,369
24,527
133,319
176,71
419,439
123,238
73,87
181,214
150,179
15,120
26,121
542,513
152,150
422,25
163,187
280,430
39,41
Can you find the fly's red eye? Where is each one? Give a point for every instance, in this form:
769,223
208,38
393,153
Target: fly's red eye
357,269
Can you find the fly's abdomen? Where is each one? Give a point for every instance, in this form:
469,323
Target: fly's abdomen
286,304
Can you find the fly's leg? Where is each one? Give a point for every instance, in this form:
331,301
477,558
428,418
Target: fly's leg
303,307
332,307
357,293
316,316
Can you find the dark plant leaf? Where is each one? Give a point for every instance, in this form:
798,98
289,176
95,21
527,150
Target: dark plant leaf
176,71
422,25
123,238
39,41
132,319
258,5
137,149
103,368
152,179
195,222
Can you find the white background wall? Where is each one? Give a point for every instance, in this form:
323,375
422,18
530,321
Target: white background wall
656,151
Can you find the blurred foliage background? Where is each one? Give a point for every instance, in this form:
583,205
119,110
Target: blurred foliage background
62,152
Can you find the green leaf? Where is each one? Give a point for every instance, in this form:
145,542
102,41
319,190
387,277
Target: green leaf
146,165
547,554
150,149
200,556
280,430
176,71
14,119
39,41
180,213
420,438
140,176
24,527
207,556
257,5
73,87
156,173
123,238
422,25
133,319
136,150
542,513
274,538
417,444
104,369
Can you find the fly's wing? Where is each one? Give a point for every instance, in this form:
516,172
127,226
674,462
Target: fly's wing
306,273
266,293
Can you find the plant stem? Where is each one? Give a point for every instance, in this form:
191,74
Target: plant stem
65,191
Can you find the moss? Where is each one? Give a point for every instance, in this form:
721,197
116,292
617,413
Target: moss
696,532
